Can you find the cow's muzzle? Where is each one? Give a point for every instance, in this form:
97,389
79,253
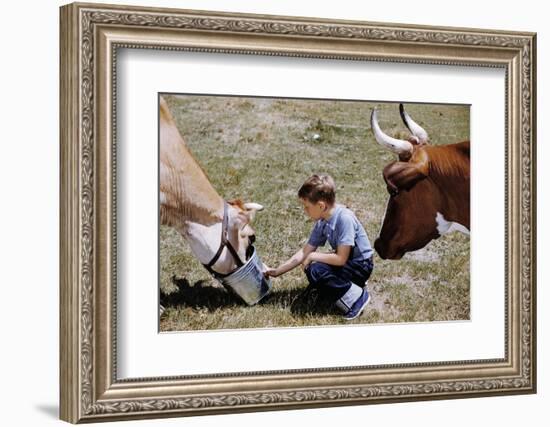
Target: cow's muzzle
385,252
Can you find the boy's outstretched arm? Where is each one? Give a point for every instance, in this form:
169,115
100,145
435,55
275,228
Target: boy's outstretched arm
294,261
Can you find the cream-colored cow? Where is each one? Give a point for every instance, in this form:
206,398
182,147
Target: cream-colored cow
190,204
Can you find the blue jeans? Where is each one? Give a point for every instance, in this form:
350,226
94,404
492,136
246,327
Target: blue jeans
333,282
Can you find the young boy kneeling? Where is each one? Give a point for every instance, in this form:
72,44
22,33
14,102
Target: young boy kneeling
340,276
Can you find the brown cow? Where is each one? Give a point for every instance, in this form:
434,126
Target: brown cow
429,190
190,204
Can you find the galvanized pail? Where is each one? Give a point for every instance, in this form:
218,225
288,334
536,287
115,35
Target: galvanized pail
248,282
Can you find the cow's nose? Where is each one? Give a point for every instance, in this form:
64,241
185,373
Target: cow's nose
388,251
380,248
252,239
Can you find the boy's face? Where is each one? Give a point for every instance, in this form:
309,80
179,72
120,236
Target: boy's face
314,210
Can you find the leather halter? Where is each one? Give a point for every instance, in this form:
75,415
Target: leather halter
223,243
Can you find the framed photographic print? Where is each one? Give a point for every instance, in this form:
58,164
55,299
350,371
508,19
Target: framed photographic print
266,212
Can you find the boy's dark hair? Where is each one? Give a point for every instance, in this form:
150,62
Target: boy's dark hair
318,187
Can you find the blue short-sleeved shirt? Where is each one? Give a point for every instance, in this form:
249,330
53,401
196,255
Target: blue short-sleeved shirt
342,228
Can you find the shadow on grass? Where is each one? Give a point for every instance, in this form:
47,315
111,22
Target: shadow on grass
199,295
302,302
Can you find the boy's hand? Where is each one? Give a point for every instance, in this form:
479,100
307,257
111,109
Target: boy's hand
271,272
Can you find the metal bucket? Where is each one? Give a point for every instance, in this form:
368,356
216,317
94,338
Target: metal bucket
248,282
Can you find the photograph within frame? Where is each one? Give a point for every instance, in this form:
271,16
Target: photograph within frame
90,390
264,148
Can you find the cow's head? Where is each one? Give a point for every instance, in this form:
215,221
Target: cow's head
190,204
409,222
241,235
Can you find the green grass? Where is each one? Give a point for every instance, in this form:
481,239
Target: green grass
262,150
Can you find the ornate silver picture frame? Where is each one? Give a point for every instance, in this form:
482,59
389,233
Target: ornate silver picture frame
92,37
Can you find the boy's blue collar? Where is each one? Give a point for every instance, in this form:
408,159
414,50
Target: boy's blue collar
331,222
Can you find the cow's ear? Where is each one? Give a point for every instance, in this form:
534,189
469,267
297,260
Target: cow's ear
403,175
252,208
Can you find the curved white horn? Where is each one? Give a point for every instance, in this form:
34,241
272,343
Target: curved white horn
398,146
253,206
414,127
